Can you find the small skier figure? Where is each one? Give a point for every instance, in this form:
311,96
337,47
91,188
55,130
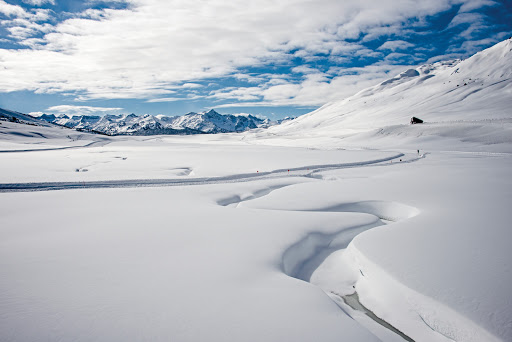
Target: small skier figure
418,152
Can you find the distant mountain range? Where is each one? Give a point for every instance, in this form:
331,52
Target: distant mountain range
192,123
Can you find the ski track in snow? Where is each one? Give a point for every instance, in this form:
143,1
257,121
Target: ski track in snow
303,171
91,144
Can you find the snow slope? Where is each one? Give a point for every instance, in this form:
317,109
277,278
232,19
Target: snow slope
12,116
452,97
21,132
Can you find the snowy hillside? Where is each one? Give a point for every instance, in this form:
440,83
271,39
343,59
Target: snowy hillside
12,116
191,123
451,97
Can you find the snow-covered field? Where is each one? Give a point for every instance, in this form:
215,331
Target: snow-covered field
211,238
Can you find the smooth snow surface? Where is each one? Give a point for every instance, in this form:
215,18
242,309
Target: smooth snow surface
249,237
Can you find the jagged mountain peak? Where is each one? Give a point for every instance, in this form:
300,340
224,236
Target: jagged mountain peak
192,123
210,112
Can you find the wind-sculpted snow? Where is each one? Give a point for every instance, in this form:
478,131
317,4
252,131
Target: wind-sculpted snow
335,262
304,258
311,248
402,77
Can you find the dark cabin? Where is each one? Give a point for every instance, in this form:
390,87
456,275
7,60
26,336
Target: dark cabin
415,120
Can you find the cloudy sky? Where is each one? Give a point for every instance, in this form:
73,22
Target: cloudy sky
269,57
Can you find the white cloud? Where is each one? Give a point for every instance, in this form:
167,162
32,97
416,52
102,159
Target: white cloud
191,85
473,46
471,5
11,10
166,99
21,29
152,47
396,57
15,11
466,18
241,94
314,90
475,21
174,99
70,109
446,57
304,69
39,2
394,45
250,78
23,24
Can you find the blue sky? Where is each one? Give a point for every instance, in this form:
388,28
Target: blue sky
273,58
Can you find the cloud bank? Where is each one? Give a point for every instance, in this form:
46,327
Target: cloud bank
82,110
287,52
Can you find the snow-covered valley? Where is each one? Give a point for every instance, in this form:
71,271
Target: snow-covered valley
267,235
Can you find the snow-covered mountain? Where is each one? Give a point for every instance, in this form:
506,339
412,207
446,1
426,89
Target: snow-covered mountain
12,116
191,123
454,98
213,122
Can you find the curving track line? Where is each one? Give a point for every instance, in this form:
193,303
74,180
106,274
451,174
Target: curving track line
91,144
303,171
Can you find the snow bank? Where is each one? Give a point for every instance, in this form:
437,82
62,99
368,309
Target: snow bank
407,309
